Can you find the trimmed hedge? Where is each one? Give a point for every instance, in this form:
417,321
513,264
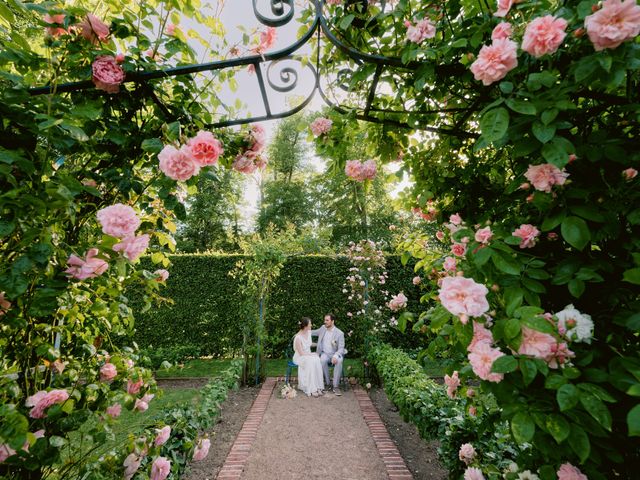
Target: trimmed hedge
206,314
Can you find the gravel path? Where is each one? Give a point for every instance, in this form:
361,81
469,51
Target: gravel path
314,438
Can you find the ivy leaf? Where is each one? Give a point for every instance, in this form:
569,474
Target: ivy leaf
522,427
576,232
567,397
494,124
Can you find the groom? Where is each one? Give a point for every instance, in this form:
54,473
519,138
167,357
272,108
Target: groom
331,350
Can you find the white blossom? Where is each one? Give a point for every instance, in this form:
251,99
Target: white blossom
578,326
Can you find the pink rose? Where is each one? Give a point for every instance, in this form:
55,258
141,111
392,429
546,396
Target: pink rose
160,469
118,220
334,2
616,22
569,472
245,163
140,406
484,235
92,29
629,174
54,20
495,61
267,39
503,7
463,296
481,334
163,435
456,219
525,186
42,400
536,344
398,302
131,465
544,35
440,235
502,31
470,392
205,148
161,275
473,411
452,382
459,249
114,410
422,30
107,75
353,169
202,449
320,126
134,387
368,170
450,264
482,358
170,30
120,57
89,267
5,452
528,234
552,236
5,304
545,176
108,372
178,164
133,246
416,280
467,453
257,138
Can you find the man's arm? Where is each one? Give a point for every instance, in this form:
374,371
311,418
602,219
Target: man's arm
316,332
341,352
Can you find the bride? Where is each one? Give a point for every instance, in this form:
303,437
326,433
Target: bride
310,379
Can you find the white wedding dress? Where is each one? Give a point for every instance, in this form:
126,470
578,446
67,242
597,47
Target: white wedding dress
310,379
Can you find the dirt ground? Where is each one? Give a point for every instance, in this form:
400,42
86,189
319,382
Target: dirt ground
420,456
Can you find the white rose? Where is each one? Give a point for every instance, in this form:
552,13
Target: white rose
579,326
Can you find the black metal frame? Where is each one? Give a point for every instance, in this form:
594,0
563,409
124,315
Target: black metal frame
282,13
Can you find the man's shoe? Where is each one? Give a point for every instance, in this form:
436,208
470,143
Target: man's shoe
337,392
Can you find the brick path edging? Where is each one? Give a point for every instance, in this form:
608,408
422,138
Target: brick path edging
237,457
393,461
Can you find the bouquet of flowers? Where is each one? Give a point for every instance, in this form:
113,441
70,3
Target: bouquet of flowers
288,392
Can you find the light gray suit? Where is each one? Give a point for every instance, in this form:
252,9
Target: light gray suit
334,350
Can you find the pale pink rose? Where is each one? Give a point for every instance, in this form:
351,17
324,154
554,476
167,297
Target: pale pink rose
245,163
54,30
459,249
495,61
481,334
134,387
42,400
456,219
38,434
452,382
572,157
93,29
536,344
503,7
120,57
525,186
202,449
267,39
161,275
482,358
629,174
569,472
163,435
422,30
107,75
484,235
560,354
368,170
334,2
170,30
463,296
118,220
251,69
398,302
5,452
450,264
528,233
470,392
89,267
467,453
131,465
114,410
353,169
320,126
473,473
473,411
147,397
140,405
133,246
440,235
108,372
552,236
160,469
205,148
545,176
544,35
257,137
416,280
178,164
616,22
502,31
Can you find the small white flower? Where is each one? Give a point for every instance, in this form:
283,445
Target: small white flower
528,475
579,326
344,290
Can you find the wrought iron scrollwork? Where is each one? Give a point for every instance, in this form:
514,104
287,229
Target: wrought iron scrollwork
283,11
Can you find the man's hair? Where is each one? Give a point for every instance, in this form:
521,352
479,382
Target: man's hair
331,316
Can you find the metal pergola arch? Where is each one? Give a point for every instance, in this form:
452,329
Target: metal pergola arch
282,13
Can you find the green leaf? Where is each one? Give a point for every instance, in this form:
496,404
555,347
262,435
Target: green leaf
346,21
597,409
576,232
540,324
152,145
579,442
554,382
513,299
494,124
521,106
512,328
505,263
586,67
632,276
633,421
522,427
482,256
557,151
549,116
567,397
528,370
543,132
576,287
553,220
504,364
558,427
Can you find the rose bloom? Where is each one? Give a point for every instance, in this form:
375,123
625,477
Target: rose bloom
569,472
463,296
452,382
578,326
544,35
163,435
528,233
160,469
133,246
118,220
120,57
467,453
245,163
422,30
473,473
416,280
398,302
257,137
5,452
161,275
55,31
482,358
202,449
334,2
140,405
42,400
545,176
495,61
178,164
131,465
320,126
134,387
616,22
629,174
450,264
267,39
93,29
481,334
171,29
502,31
459,249
107,75
484,235
89,267
114,410
440,235
108,372
503,7
456,219
205,148
353,169
473,411
368,170
537,344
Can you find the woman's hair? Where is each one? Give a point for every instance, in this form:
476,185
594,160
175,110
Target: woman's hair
304,322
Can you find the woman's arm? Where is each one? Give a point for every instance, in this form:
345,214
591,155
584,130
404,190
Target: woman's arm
297,346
